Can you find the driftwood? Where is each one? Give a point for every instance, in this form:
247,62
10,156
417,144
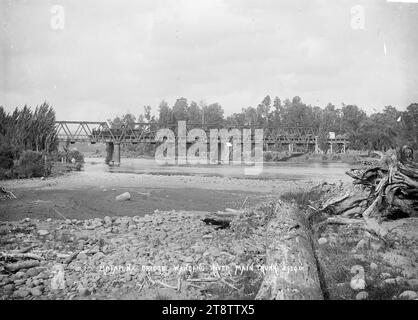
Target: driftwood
19,255
389,190
26,264
6,194
72,257
221,219
24,250
291,269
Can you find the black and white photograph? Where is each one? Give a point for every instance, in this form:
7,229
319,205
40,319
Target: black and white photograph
220,152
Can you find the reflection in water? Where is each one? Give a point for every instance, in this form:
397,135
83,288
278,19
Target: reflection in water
281,170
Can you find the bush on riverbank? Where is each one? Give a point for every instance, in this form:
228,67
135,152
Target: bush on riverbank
26,137
33,164
29,165
69,155
6,158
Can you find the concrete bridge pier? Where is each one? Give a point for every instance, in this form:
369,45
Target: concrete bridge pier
317,151
109,152
116,153
112,152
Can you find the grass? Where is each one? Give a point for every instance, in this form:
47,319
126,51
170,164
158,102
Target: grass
248,284
336,260
302,197
162,296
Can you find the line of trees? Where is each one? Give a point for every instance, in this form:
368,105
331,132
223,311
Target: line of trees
25,137
378,131
26,129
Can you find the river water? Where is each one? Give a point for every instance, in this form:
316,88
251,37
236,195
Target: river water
276,170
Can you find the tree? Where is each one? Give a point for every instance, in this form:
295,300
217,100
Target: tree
214,114
165,114
409,123
297,114
250,115
128,119
26,130
278,112
147,114
180,109
194,113
263,111
235,120
351,122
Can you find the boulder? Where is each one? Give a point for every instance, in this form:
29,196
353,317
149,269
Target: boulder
363,295
36,292
21,293
84,292
123,197
373,266
409,295
322,241
43,232
107,220
82,256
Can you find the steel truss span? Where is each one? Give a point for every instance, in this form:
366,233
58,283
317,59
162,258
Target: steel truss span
90,131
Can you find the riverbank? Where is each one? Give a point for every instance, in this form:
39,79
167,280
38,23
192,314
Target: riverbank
83,244
91,194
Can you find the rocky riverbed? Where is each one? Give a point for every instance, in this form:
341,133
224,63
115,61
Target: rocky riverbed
165,255
130,250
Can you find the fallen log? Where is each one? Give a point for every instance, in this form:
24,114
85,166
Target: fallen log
291,269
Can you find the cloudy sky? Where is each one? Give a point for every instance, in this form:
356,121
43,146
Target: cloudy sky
109,57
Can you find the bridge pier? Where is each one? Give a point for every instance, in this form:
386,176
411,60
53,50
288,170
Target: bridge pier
109,152
116,154
317,151
112,152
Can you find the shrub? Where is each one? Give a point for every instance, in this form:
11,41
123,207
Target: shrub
69,155
31,164
6,173
6,156
268,156
6,162
75,154
78,166
302,197
336,157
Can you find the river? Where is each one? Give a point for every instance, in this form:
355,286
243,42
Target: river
276,170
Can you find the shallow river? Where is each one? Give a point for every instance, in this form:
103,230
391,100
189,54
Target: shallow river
280,170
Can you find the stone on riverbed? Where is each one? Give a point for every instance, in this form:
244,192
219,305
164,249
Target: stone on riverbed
123,197
43,232
408,295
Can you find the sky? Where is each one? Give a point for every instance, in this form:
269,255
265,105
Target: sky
95,59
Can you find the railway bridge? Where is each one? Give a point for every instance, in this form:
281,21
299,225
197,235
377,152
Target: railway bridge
292,139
